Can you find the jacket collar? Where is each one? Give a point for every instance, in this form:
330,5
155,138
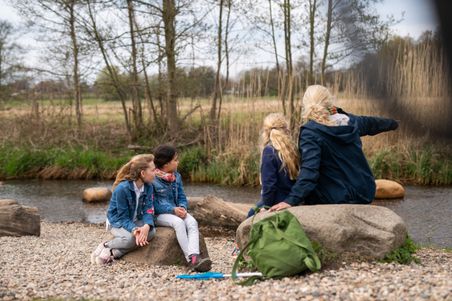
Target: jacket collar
131,187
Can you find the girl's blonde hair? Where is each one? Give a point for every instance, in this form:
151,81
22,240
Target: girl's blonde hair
317,102
129,170
276,131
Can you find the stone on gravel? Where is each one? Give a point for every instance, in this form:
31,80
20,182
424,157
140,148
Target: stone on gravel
96,194
18,220
163,249
353,230
387,189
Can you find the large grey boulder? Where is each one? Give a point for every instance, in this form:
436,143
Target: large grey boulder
18,220
214,212
364,231
163,249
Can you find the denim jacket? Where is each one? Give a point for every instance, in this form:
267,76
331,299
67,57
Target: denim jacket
122,206
169,195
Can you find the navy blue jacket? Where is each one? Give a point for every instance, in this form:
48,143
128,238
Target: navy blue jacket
333,168
122,206
276,183
169,195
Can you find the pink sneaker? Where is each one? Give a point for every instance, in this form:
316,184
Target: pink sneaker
96,252
104,256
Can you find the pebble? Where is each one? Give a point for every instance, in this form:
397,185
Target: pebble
56,265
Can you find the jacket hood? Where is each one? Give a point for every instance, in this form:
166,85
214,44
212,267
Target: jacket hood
344,134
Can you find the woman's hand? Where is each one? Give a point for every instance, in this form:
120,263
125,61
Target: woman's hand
279,206
180,212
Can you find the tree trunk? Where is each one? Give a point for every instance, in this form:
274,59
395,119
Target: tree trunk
288,41
136,102
160,95
276,53
148,92
226,49
312,10
217,90
169,19
327,39
76,75
226,41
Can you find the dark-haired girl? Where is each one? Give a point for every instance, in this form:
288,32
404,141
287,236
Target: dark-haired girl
171,207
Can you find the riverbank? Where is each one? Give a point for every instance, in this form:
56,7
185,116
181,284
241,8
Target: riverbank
423,166
49,146
56,265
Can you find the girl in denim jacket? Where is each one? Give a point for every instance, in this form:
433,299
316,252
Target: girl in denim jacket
171,207
130,215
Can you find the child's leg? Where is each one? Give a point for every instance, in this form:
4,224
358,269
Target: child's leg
123,242
175,222
193,234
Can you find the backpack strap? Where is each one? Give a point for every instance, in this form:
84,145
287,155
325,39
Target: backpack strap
240,257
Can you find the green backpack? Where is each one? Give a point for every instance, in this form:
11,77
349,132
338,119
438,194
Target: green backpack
278,247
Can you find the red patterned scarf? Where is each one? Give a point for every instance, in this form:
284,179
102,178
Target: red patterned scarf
167,176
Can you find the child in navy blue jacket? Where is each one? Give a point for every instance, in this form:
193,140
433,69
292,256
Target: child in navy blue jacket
130,214
279,161
333,167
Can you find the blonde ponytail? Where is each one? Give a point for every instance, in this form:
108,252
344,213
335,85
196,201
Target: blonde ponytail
276,132
317,102
126,170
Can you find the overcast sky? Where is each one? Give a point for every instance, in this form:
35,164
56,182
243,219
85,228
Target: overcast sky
418,16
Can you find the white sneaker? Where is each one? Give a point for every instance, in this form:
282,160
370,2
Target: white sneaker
104,257
96,252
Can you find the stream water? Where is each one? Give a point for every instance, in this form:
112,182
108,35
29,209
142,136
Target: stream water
427,211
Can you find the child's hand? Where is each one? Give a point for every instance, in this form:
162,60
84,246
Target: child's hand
180,212
141,235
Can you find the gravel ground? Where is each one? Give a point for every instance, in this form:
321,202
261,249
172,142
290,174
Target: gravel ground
56,265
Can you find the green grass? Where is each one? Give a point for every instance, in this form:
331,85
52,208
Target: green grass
426,166
229,169
23,162
404,254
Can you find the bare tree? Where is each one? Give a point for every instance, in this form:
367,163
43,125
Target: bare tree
329,22
289,78
10,62
136,102
58,18
92,29
169,19
312,18
70,7
217,91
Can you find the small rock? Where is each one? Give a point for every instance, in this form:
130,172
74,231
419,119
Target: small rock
96,194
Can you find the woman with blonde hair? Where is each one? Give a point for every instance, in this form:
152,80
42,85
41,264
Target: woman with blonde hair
333,167
279,161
